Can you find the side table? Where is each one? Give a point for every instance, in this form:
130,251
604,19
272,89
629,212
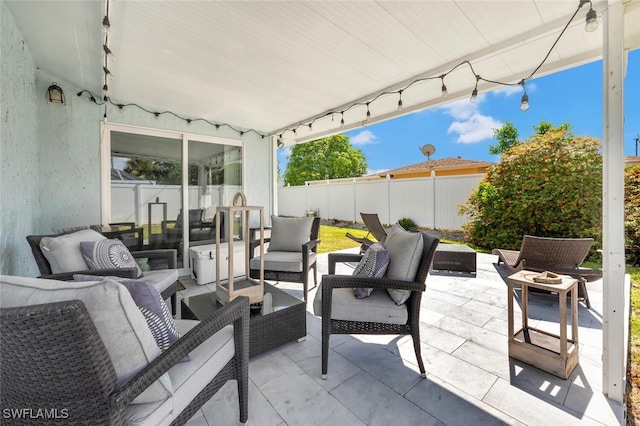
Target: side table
556,354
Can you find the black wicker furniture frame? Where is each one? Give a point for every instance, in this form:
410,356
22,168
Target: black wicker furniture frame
52,358
559,255
287,322
455,257
166,257
308,264
411,327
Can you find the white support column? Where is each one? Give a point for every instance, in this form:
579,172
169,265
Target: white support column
614,297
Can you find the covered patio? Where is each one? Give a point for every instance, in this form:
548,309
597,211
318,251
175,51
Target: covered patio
270,74
374,380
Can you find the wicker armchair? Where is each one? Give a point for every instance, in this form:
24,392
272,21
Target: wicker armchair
289,266
165,279
331,282
53,359
559,255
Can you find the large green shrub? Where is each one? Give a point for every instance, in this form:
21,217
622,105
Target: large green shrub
632,214
549,185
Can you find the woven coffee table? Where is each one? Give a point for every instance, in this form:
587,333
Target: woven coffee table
286,321
454,257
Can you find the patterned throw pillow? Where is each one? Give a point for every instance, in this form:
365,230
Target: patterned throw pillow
106,254
153,308
155,311
373,264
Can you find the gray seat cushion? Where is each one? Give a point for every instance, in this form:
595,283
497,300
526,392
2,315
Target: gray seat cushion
378,307
187,378
161,278
285,261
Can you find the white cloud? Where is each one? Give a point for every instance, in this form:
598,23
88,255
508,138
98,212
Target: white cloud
462,109
365,137
513,90
475,128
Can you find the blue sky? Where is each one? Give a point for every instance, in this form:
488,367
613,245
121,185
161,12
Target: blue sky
464,129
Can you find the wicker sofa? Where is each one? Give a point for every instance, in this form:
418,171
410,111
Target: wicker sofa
163,278
83,352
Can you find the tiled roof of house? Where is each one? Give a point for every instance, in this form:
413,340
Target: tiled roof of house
441,164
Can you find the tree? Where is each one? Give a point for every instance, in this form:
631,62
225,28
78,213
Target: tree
507,136
632,214
549,186
328,158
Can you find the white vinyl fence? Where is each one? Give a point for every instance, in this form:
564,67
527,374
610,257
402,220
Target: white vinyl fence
130,201
430,202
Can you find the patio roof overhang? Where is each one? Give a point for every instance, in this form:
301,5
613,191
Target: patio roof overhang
276,66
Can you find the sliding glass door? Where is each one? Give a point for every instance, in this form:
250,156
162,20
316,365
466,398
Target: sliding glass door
155,177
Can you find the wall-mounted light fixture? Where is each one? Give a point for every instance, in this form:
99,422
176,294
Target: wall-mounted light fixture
55,94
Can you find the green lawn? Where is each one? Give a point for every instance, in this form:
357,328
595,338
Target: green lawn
334,238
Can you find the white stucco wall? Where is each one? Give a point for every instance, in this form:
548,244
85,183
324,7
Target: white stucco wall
19,191
50,177
69,158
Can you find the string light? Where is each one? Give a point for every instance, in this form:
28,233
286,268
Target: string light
444,87
592,20
108,52
474,94
524,101
591,25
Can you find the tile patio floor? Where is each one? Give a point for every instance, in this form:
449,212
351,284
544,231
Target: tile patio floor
374,380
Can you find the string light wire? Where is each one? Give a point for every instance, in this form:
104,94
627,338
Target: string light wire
524,105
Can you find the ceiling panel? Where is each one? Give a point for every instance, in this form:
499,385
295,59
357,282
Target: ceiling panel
269,66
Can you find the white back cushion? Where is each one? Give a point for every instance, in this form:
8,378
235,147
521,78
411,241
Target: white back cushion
63,252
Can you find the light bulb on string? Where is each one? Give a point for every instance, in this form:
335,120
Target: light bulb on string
400,107
106,24
108,73
342,120
445,93
592,20
474,94
524,102
368,119
108,52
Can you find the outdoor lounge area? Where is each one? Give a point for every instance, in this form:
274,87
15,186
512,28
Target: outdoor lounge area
213,92
470,377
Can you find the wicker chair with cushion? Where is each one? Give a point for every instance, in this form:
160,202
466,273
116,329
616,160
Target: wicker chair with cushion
559,255
292,251
393,307
59,257
84,353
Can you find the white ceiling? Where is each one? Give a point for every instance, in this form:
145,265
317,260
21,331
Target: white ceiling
269,66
